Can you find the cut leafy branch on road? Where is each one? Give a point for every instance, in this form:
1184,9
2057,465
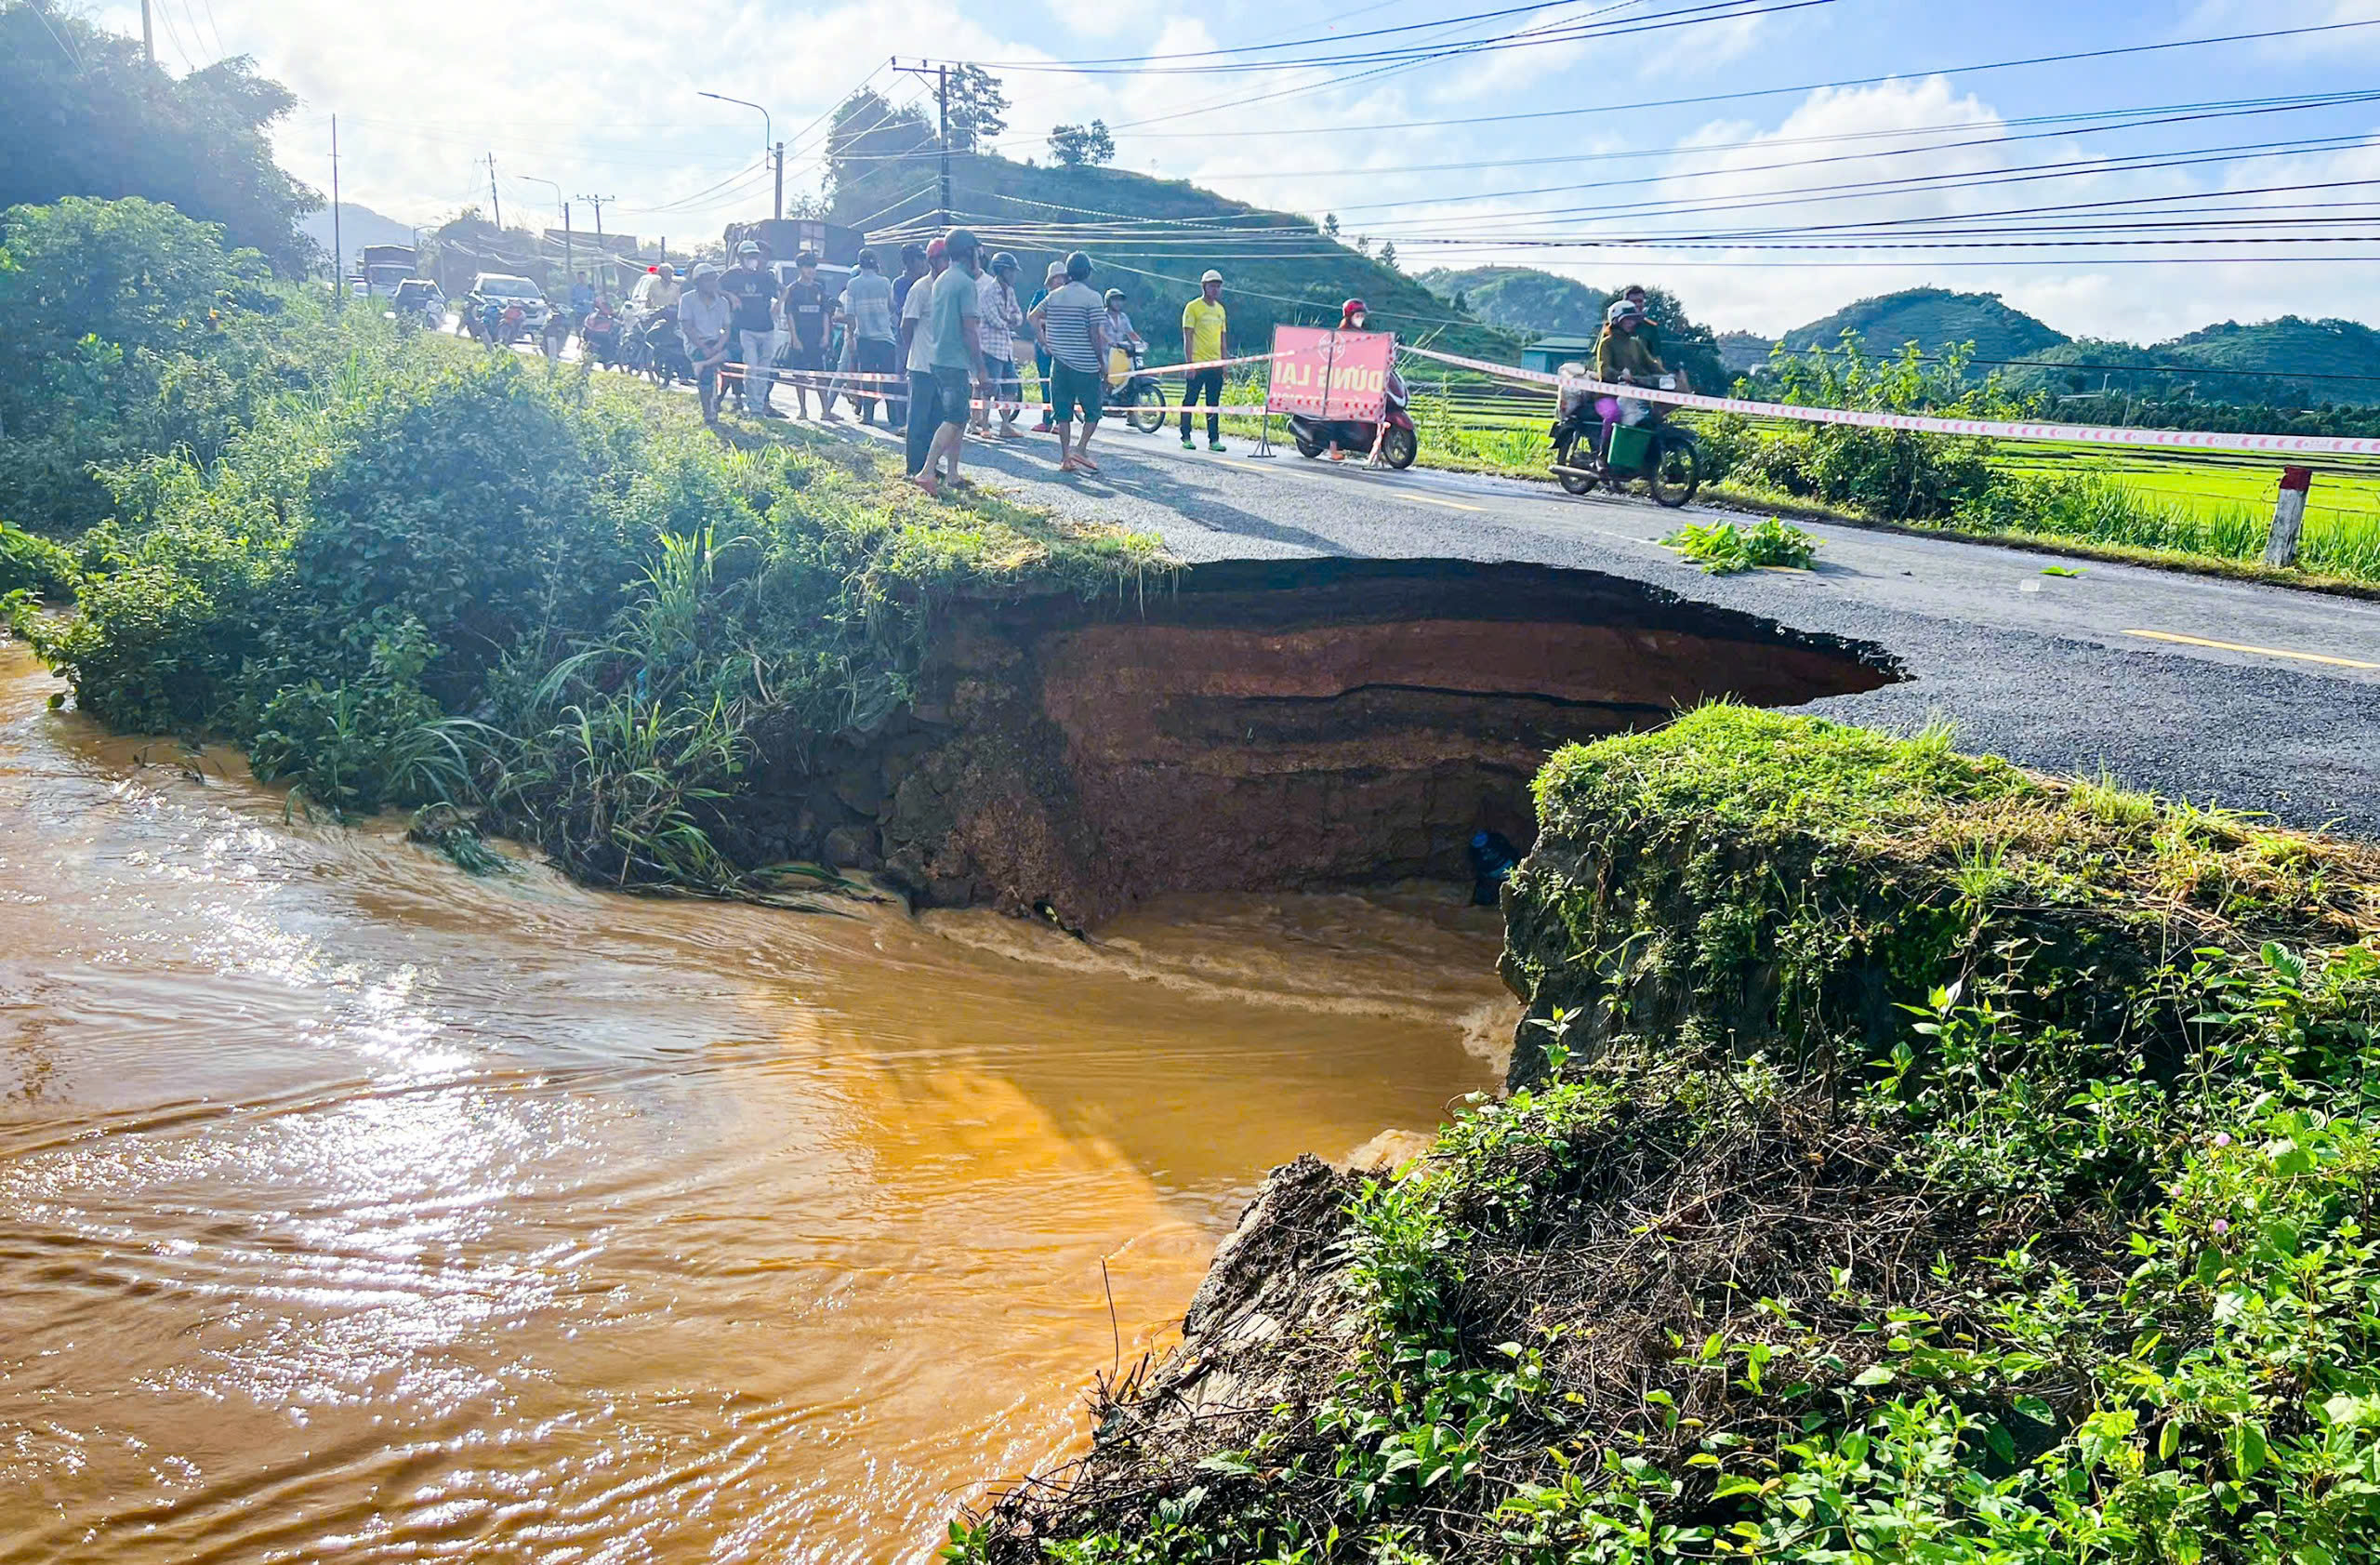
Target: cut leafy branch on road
1723,547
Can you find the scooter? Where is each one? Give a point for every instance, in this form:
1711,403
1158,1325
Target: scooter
1660,452
1399,448
1139,397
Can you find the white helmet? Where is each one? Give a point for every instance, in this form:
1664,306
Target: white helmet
1211,277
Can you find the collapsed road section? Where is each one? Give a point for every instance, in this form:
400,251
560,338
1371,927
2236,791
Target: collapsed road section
1261,726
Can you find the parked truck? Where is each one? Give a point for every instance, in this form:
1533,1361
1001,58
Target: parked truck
382,266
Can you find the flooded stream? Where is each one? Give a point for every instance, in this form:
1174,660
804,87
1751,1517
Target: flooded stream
351,1206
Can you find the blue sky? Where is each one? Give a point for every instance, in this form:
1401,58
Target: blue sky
599,97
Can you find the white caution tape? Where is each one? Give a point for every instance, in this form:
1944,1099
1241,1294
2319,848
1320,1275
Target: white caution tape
2081,434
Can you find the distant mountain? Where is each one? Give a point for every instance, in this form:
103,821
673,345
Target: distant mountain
2289,361
1522,298
1935,319
1741,350
358,226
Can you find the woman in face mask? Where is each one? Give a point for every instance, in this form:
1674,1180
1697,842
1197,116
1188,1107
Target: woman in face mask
1352,316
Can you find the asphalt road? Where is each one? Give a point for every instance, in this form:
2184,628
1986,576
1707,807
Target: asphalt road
2108,670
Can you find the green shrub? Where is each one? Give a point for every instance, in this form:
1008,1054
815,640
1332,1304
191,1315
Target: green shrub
1886,473
33,564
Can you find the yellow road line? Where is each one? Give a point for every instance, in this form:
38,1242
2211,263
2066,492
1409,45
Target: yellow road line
2258,651
1450,505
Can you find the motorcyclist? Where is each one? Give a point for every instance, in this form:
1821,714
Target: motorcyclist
599,334
1352,316
1625,358
1121,339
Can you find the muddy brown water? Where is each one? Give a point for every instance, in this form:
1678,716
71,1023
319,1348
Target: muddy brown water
353,1207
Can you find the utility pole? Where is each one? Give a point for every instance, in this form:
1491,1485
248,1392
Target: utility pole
780,202
602,257
338,251
493,200
147,38
941,74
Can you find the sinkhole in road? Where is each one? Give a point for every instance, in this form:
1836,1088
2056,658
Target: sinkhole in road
1284,724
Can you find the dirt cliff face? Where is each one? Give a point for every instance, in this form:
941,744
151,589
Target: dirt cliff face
1266,725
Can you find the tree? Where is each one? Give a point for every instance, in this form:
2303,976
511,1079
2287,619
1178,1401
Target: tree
866,128
82,113
1388,254
1330,224
116,311
1076,145
976,105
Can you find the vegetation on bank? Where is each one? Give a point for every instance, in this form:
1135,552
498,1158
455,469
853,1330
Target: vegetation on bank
403,571
1916,1159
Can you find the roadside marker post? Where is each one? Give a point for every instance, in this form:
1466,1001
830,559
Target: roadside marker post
2288,516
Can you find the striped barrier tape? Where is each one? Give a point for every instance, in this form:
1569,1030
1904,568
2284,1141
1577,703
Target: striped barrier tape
2079,434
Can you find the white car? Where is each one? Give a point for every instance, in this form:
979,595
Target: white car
505,289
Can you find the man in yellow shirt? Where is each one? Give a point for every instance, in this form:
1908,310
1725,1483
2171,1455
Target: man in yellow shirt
1205,337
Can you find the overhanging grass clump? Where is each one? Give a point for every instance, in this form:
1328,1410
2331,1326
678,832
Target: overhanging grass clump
1919,1159
462,578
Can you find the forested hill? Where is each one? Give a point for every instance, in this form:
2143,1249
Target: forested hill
1522,298
1150,237
2290,362
1934,319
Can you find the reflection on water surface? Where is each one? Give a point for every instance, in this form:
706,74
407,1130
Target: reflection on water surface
349,1204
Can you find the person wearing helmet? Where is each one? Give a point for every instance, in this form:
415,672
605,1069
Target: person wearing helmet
1001,320
806,310
754,293
1072,324
1352,315
956,356
707,320
1205,337
1622,355
1121,333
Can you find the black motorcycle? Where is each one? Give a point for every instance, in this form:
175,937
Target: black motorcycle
1397,448
1660,452
656,350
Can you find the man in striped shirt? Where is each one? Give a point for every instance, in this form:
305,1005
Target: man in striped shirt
1072,324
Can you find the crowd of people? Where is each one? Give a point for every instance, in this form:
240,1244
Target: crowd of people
940,345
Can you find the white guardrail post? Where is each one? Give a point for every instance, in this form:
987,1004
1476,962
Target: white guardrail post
2288,516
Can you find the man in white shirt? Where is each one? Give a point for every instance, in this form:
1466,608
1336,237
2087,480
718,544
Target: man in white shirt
916,357
705,319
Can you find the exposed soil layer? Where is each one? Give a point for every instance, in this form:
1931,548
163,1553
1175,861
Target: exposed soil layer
1263,725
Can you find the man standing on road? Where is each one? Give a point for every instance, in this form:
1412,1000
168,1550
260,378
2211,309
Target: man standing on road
1051,281
913,270
1003,317
1069,325
958,313
867,315
705,319
1205,337
916,357
754,293
806,313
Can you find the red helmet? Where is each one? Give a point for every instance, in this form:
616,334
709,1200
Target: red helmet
1350,309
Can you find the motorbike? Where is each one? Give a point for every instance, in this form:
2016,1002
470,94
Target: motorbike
1399,448
605,339
654,349
1138,396
1652,448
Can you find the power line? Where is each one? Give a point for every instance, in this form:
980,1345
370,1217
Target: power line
1704,98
